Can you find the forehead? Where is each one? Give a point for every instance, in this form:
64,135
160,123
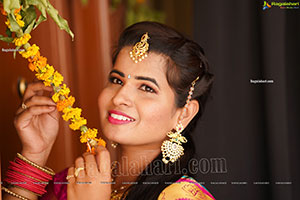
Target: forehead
153,66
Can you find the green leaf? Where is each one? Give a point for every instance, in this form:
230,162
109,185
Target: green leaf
14,54
14,26
45,6
29,16
6,39
10,5
40,20
8,32
29,27
61,22
40,4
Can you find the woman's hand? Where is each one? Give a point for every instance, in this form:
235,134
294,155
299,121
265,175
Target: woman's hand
93,181
38,124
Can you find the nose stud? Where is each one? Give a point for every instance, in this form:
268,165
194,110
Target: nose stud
129,76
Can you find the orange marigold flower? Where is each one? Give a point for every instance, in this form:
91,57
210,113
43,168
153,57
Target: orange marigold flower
3,12
101,142
31,66
17,10
41,62
62,104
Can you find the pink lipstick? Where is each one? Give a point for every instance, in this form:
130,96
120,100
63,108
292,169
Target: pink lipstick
118,118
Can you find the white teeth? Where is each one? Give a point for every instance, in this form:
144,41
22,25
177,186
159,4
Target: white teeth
120,117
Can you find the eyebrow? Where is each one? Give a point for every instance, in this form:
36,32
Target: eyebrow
144,78
117,72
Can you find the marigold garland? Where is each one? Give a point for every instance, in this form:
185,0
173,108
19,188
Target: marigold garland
51,77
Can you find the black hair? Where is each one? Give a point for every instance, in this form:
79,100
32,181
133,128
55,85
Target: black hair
185,61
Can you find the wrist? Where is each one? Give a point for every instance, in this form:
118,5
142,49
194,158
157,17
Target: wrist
38,158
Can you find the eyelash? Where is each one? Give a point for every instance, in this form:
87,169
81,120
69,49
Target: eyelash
115,80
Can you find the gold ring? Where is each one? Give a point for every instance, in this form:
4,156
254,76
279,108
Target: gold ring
70,176
24,107
77,170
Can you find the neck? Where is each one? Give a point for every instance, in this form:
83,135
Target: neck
132,160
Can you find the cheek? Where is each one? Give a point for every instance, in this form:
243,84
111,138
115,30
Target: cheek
157,118
102,101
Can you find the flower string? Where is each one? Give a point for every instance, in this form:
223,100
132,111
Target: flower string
50,77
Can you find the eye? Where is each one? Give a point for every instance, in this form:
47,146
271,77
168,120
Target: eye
115,80
146,88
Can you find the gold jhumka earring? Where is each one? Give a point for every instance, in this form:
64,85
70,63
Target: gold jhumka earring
139,50
172,148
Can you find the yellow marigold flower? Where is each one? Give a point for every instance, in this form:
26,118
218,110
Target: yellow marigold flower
8,23
22,40
57,79
62,104
46,73
21,23
30,52
77,123
90,134
18,16
71,113
64,91
35,58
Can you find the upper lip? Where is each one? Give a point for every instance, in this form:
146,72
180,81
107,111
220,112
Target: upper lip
120,113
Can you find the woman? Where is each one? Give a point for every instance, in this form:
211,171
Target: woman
155,95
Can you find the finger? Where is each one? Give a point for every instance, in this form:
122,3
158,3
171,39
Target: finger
79,163
71,172
37,101
91,166
35,89
23,119
103,160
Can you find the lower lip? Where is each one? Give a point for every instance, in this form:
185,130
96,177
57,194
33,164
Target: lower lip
116,121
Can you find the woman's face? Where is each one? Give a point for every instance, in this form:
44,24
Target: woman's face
137,106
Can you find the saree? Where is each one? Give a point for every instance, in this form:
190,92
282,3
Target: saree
186,188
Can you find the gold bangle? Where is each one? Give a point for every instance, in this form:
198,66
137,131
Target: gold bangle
16,186
13,194
44,169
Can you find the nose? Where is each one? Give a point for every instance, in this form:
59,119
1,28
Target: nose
123,96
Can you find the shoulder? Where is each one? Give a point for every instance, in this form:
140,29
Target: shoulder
186,188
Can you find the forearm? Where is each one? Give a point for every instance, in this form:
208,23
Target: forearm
27,176
18,191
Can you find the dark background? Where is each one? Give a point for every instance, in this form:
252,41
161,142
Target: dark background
254,127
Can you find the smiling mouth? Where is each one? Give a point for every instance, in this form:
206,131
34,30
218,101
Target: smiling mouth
116,117
120,117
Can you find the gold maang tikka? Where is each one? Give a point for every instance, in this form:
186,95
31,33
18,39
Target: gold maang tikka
139,50
172,148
